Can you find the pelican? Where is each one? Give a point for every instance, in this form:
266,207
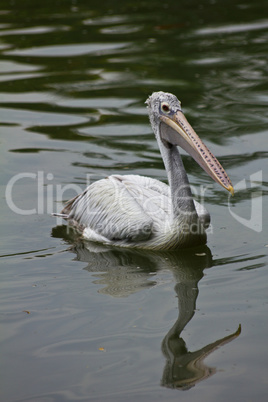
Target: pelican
141,212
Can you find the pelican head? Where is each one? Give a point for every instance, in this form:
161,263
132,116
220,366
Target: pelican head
172,129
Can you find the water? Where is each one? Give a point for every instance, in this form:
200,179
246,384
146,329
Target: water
81,322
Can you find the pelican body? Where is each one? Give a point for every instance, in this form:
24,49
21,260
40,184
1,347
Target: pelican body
141,212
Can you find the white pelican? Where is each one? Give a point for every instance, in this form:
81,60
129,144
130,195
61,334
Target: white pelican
140,212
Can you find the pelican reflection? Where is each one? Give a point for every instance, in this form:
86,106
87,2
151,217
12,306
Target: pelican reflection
185,368
124,272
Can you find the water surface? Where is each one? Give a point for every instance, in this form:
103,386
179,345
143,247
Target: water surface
82,322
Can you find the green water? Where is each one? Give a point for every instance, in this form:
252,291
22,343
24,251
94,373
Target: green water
80,322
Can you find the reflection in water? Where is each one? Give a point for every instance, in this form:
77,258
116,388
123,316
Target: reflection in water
128,271
184,368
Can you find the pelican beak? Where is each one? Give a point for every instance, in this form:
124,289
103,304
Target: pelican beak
177,131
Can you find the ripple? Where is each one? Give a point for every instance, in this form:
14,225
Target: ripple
121,29
31,118
108,19
31,97
68,50
207,61
16,77
31,31
96,103
88,346
226,29
117,130
12,67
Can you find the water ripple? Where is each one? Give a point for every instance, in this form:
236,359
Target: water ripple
233,28
69,50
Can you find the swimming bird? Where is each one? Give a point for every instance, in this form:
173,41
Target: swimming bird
141,212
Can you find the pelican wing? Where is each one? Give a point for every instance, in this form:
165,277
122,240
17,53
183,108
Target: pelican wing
152,195
108,211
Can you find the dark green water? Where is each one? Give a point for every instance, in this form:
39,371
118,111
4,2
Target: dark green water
87,323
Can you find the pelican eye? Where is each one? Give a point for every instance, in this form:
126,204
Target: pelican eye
165,107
